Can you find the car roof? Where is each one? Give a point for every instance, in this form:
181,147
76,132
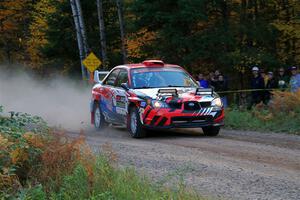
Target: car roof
149,64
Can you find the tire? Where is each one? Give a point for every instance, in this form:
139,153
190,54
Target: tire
211,130
134,125
99,121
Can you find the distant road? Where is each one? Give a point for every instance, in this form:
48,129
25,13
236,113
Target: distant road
234,165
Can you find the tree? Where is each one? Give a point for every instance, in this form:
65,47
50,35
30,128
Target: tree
80,38
14,29
37,39
122,29
102,33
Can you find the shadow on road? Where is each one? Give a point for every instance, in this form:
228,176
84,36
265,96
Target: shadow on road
172,133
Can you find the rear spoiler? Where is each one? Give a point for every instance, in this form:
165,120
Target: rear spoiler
204,91
170,92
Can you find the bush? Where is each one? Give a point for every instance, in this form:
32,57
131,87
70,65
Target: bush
281,115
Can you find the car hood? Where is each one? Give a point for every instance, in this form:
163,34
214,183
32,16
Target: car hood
186,94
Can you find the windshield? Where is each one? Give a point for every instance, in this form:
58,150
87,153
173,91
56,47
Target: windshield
160,77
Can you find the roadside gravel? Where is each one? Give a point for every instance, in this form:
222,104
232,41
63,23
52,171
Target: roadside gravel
234,165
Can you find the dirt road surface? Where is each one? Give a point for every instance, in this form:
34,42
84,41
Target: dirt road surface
233,165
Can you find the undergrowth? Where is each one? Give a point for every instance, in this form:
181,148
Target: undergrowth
39,163
281,115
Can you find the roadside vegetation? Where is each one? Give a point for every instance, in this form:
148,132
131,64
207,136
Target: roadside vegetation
281,115
39,163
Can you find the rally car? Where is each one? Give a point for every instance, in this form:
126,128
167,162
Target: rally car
154,95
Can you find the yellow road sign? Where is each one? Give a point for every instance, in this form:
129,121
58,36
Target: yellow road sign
91,62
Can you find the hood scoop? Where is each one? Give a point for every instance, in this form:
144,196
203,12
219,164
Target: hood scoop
204,91
167,92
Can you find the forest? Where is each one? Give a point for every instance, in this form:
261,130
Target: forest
200,35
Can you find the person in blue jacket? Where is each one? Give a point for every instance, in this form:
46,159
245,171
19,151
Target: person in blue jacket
202,81
295,80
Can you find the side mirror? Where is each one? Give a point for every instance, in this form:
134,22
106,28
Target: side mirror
96,77
125,86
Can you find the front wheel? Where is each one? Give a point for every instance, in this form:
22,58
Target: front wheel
134,124
211,130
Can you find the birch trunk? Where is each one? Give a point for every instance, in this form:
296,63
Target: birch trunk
102,33
83,32
79,38
82,27
122,29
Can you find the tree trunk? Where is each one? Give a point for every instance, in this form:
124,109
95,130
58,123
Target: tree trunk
102,34
122,29
79,37
82,31
82,27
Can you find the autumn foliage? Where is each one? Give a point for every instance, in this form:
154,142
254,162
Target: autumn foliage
40,155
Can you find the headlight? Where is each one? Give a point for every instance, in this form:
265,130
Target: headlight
159,104
217,102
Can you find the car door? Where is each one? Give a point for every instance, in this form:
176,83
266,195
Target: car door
120,100
107,96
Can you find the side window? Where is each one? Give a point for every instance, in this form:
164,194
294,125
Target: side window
122,78
111,79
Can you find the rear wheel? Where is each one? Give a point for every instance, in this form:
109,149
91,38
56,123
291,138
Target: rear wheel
99,121
135,127
211,130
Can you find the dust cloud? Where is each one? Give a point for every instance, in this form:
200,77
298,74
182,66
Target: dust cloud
60,101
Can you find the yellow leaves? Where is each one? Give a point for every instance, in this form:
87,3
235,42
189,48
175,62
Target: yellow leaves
18,155
33,140
4,143
37,30
9,181
136,41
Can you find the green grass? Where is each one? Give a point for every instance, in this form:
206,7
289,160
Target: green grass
247,120
108,183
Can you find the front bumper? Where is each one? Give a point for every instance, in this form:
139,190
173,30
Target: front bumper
164,119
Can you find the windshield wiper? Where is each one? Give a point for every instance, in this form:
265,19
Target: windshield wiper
176,86
144,87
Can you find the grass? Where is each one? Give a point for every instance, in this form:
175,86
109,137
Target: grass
281,115
263,120
111,183
39,163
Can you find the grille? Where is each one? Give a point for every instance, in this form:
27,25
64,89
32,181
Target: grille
192,105
198,119
175,105
205,104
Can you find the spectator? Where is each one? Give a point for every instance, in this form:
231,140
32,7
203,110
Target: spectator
212,80
283,79
221,86
264,76
257,82
271,84
217,74
295,80
202,81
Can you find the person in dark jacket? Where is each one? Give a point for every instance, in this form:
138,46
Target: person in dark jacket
257,82
222,86
271,84
212,80
282,79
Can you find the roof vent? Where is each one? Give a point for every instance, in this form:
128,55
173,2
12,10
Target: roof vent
154,63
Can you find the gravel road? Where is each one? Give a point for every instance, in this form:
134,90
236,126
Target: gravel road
234,165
